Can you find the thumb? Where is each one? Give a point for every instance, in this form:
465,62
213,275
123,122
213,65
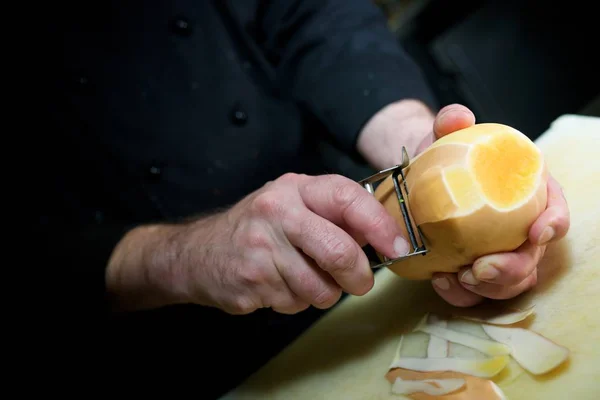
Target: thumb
452,118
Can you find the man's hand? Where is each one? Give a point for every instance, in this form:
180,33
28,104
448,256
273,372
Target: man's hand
293,243
504,275
495,276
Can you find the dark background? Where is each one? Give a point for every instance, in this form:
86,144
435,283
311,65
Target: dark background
522,63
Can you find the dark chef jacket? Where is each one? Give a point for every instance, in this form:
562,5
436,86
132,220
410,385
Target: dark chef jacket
157,110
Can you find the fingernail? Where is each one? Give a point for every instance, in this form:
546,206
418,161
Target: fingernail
547,235
486,272
469,278
442,283
471,116
401,246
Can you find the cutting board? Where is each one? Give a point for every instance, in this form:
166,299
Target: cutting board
347,353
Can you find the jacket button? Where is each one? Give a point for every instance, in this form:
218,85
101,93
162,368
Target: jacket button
80,84
181,26
239,117
154,173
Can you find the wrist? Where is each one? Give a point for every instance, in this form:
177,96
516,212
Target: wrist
407,123
141,273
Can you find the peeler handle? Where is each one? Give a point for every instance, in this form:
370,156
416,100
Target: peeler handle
395,172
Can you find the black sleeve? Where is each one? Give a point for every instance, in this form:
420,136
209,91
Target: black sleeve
71,243
72,261
339,59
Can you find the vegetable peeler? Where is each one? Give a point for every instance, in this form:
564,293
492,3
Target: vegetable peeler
416,240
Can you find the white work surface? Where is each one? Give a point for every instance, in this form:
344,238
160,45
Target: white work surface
347,353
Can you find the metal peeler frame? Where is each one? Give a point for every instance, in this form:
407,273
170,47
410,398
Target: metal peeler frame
367,183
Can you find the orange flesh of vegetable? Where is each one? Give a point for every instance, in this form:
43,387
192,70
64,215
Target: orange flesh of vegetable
506,176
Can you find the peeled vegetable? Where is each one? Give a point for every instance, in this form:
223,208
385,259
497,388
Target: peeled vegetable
474,192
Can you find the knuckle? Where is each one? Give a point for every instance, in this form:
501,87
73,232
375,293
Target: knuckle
290,307
340,255
562,222
252,276
290,177
256,238
345,194
242,305
378,222
298,306
301,306
327,298
515,275
267,204
511,291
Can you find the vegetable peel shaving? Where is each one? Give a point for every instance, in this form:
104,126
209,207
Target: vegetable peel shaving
436,387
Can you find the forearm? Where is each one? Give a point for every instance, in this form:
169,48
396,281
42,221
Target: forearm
341,62
406,123
145,271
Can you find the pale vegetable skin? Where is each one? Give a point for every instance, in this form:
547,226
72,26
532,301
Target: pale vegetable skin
436,387
411,344
412,354
475,388
534,352
503,317
474,192
413,361
485,346
498,391
482,368
437,347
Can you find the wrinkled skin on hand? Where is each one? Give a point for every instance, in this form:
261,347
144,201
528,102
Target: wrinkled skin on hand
504,275
293,243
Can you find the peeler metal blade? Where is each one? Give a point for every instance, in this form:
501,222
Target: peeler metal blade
417,242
